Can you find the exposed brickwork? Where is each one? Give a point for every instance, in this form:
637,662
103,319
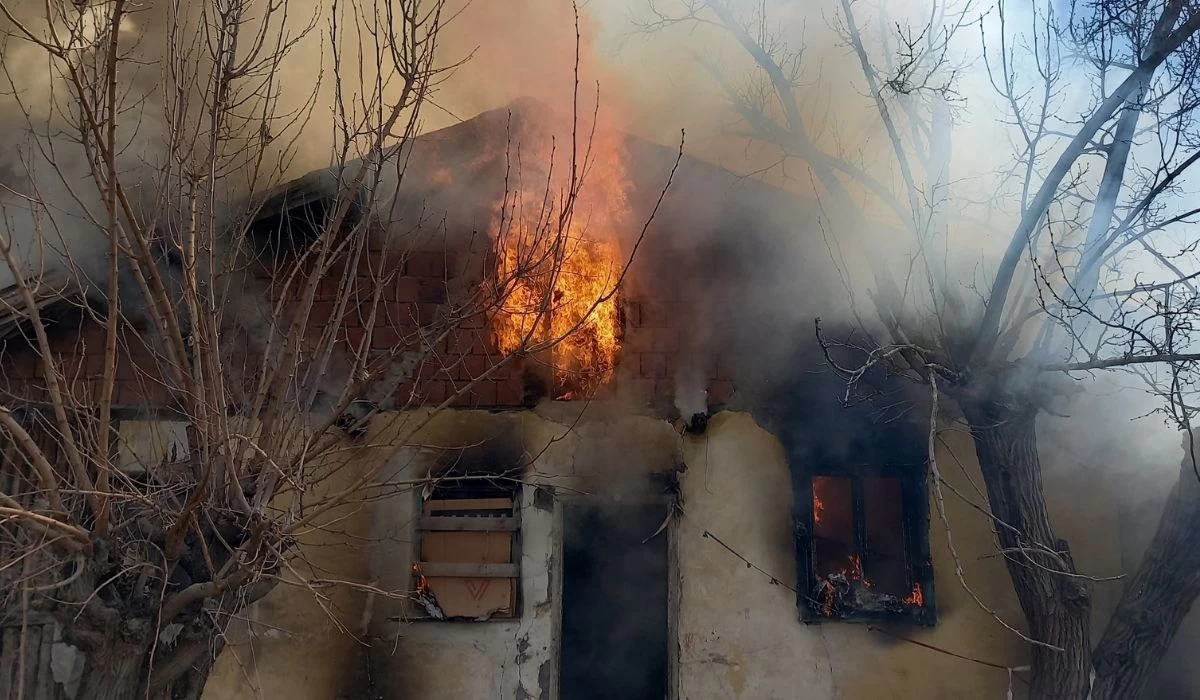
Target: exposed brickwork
414,295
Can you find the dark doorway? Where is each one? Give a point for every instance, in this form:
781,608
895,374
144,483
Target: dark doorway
614,603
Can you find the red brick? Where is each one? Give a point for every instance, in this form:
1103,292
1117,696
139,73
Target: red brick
432,368
654,365
464,399
431,291
94,362
656,314
427,313
724,368
720,391
503,371
633,314
354,337
473,322
510,392
24,365
664,389
431,392
658,340
125,367
712,368
483,393
471,366
385,337
320,313
426,264
402,289
404,394
465,342
327,289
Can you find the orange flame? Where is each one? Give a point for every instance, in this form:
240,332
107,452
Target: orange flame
917,597
827,594
558,283
818,507
422,580
855,571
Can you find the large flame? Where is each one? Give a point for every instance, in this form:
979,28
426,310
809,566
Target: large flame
558,274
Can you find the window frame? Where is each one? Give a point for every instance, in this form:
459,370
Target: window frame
918,563
510,571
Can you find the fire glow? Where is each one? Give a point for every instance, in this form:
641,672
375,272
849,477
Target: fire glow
558,276
422,580
850,581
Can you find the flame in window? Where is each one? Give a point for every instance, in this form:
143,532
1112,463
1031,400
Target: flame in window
917,597
558,287
827,595
422,580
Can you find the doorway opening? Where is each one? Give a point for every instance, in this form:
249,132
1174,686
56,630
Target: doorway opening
614,602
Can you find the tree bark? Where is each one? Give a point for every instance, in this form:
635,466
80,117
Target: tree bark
1156,599
113,672
116,666
122,670
1056,604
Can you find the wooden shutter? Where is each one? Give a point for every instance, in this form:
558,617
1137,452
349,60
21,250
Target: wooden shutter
468,556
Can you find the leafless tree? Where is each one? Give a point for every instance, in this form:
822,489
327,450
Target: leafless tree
1097,273
153,137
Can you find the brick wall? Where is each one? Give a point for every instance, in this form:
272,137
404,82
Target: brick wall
655,343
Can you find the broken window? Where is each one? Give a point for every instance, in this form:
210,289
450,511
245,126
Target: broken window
862,545
468,547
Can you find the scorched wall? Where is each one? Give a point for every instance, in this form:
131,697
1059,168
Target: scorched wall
735,632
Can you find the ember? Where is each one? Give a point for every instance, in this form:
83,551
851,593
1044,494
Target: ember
854,573
917,597
828,594
562,283
422,580
424,595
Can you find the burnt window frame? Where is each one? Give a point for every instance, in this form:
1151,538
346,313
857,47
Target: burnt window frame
914,516
424,524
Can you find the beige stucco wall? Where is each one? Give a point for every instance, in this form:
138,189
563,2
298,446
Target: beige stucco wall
737,633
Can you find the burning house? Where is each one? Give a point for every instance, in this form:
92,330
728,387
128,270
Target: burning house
674,501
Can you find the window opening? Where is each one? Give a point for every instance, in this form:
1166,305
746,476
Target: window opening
863,547
467,538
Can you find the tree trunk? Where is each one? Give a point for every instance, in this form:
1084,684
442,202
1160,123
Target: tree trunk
1056,606
113,672
115,667
1156,599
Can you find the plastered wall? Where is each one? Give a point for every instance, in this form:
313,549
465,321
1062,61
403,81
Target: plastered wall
736,633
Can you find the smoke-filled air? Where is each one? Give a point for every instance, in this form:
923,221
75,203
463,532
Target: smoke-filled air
629,349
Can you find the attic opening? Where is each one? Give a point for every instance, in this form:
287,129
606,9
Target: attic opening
614,601
295,216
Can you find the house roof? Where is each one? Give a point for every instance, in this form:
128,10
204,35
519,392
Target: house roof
461,170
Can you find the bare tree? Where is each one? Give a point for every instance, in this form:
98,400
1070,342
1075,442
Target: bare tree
1097,272
155,139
